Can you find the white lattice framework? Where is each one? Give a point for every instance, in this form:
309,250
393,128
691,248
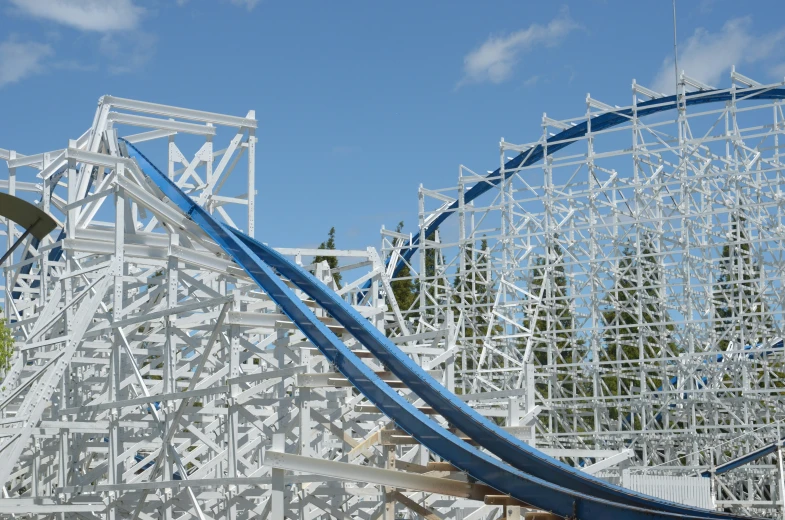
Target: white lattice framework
631,287
626,303
154,379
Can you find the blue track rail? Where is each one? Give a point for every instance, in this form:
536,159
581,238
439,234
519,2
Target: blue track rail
487,434
567,137
523,486
744,459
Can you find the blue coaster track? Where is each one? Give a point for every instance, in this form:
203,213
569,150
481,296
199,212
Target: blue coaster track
523,473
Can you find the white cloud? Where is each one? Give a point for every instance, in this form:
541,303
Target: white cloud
706,56
532,81
127,54
249,4
19,60
778,71
73,65
85,15
495,59
573,73
706,6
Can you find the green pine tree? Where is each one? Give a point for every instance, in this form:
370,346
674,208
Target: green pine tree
332,261
636,324
404,289
740,316
476,298
6,344
434,290
552,324
552,320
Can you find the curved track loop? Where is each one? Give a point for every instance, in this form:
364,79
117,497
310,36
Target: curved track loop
567,137
525,487
481,430
486,433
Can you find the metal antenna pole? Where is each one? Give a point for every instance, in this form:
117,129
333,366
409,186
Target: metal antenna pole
675,51
781,471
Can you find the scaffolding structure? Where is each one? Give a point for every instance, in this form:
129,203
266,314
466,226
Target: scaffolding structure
628,288
618,308
153,379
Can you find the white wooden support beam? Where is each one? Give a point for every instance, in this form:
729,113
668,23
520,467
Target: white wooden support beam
378,476
742,79
278,485
640,89
608,463
531,416
182,113
695,83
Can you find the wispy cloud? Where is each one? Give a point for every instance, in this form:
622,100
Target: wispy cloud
113,20
530,82
21,59
85,15
494,60
573,73
706,56
73,65
778,71
127,54
706,6
248,4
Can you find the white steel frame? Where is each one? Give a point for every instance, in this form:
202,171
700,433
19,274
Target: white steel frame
153,379
668,189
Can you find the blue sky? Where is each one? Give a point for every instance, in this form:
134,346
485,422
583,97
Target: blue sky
360,102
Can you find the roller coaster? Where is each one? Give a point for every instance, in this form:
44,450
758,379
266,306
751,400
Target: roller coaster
569,350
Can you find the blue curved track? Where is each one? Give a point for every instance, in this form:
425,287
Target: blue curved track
484,432
597,501
487,434
567,137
